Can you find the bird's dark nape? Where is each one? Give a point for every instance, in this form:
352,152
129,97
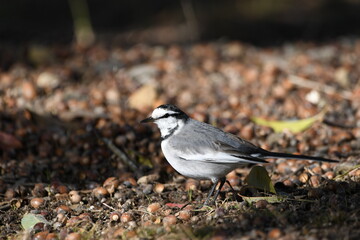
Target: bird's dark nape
170,107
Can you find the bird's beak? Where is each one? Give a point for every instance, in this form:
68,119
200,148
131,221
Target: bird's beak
146,120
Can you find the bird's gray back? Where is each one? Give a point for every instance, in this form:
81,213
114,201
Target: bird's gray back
199,137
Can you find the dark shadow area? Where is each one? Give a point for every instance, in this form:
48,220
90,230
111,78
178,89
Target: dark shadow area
261,22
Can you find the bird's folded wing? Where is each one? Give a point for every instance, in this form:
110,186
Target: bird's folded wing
221,153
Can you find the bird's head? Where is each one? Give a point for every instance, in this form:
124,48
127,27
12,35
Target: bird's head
168,118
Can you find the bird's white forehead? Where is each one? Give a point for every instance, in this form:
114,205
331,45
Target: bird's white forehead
159,112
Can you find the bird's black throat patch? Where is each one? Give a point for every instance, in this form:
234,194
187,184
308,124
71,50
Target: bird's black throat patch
171,132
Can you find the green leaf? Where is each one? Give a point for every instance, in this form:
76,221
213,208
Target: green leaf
29,220
145,161
270,199
276,199
259,178
294,126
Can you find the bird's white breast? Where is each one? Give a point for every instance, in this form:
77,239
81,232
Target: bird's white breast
194,168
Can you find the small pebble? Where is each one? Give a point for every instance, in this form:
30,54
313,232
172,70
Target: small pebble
159,188
114,216
148,189
194,219
61,196
166,212
132,225
283,168
40,226
62,209
37,202
73,236
317,170
126,217
247,131
111,184
169,220
275,233
261,204
357,173
184,215
304,177
315,181
288,183
132,181
100,192
28,90
74,196
330,175
325,166
112,96
10,194
40,235
191,184
153,207
60,217
47,80
62,189
118,195
57,225
52,236
149,178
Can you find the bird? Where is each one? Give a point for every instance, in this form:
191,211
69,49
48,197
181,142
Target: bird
201,151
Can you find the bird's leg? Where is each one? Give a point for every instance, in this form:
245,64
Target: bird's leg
232,190
222,182
211,192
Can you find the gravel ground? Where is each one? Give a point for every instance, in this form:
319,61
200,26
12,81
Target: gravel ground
70,123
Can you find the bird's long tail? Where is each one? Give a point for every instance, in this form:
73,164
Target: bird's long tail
293,156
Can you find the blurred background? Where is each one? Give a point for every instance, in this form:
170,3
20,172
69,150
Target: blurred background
259,22
77,76
256,21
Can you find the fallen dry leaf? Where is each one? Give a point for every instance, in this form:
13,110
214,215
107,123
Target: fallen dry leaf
294,126
8,141
143,98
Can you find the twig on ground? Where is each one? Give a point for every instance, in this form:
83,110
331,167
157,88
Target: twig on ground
5,205
106,205
303,82
339,125
341,176
121,155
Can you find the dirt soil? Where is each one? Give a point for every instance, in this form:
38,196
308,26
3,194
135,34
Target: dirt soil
70,127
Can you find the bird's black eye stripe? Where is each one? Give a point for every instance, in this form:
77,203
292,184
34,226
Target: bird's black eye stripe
169,115
165,116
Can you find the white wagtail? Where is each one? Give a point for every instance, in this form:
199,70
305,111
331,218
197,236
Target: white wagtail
201,151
